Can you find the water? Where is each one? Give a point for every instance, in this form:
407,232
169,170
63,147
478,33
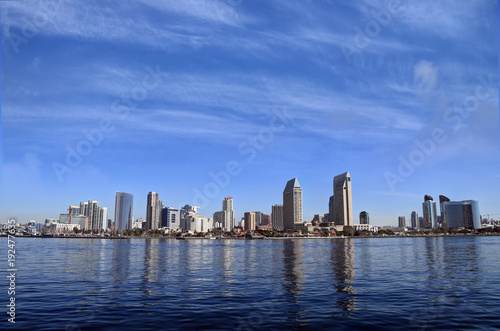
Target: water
378,283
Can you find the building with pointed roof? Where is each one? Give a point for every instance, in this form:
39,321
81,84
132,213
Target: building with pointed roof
292,204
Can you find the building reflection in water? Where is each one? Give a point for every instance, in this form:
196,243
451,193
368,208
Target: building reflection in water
120,269
152,267
293,277
342,262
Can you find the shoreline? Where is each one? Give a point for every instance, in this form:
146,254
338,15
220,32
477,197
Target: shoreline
264,238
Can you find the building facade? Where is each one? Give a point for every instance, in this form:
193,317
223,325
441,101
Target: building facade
292,204
462,214
277,217
170,218
402,221
227,214
250,223
342,197
124,210
364,218
153,211
429,212
414,220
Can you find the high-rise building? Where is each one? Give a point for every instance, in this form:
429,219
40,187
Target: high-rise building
170,218
402,221
364,218
442,200
277,217
265,219
414,220
250,221
227,214
430,212
331,209
188,209
153,211
92,211
342,199
461,214
103,216
124,210
292,204
217,219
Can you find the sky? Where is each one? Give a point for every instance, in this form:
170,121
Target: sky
198,100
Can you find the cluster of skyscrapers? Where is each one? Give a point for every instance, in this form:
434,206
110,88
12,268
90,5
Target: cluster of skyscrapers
454,214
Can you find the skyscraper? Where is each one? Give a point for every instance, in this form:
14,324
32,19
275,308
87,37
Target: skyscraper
124,209
442,200
170,218
153,211
331,209
250,221
342,199
430,212
227,214
292,204
364,218
402,221
103,222
414,220
92,211
277,217
461,214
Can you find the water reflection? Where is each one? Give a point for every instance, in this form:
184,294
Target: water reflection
293,277
342,262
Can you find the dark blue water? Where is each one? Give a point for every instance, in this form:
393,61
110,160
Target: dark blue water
379,283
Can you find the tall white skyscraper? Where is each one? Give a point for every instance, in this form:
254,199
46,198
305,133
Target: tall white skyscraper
153,211
103,224
124,211
227,214
342,200
292,204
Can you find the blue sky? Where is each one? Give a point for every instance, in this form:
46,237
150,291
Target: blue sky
198,100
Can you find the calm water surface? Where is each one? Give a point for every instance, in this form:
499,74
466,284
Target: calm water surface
149,284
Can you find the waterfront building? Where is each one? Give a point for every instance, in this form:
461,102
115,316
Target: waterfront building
250,222
63,228
331,209
414,220
402,221
79,219
124,208
92,211
103,218
462,214
430,212
364,218
342,199
292,204
170,218
318,219
227,214
153,211
277,217
217,219
188,209
195,223
421,222
365,227
442,200
265,220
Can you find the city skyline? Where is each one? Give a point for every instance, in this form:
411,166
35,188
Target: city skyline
233,98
